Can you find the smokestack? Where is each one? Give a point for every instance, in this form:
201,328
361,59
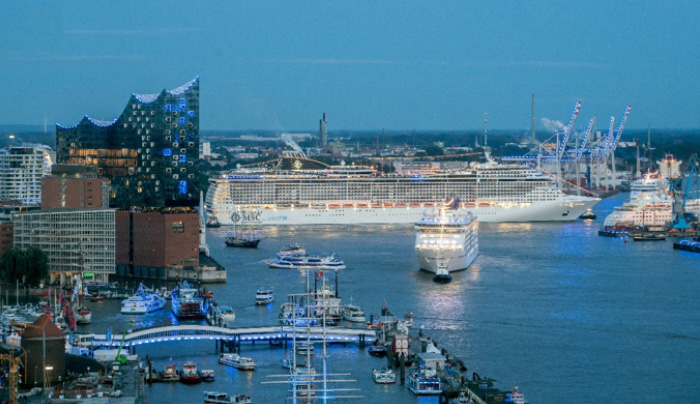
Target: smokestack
322,135
533,118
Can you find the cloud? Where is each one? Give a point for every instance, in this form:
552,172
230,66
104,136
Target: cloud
552,125
128,31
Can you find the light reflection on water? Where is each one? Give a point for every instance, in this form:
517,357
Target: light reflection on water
552,306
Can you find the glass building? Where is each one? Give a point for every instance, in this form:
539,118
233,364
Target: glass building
149,152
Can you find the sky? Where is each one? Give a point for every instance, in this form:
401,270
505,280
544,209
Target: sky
370,65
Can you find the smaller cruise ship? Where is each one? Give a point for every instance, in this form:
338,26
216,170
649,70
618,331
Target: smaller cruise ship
144,301
190,374
237,361
321,262
446,239
226,313
264,296
188,302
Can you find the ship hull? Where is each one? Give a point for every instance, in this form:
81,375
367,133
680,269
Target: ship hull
454,260
543,211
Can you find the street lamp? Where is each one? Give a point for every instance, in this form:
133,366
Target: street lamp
48,373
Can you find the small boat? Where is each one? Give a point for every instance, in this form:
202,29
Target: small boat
190,374
84,315
383,376
648,237
613,232
170,374
264,296
291,249
377,350
97,298
515,397
692,245
213,222
588,215
207,375
223,398
237,361
424,383
442,275
354,314
226,313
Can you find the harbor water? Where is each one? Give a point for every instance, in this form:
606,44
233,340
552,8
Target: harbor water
568,316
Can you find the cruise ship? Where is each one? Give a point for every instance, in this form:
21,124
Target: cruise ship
300,191
650,201
446,239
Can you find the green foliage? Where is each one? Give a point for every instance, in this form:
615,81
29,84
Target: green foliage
433,150
30,265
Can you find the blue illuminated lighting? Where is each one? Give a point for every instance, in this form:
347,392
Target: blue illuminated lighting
182,187
182,120
167,152
190,114
182,158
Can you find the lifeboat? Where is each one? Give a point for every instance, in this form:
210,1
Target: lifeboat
388,205
362,205
429,204
415,205
376,205
283,205
401,205
470,204
348,205
333,205
484,204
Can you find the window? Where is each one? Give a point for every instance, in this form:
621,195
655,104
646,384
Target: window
178,227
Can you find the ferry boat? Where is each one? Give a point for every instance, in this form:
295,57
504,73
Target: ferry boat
354,314
237,361
299,191
383,376
215,397
321,262
143,301
226,313
264,296
189,374
188,302
171,374
446,238
424,383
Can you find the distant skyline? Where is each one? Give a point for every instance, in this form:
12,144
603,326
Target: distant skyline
423,65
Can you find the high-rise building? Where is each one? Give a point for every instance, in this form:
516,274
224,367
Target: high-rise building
21,171
149,153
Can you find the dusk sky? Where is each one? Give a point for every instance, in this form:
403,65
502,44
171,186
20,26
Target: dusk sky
398,65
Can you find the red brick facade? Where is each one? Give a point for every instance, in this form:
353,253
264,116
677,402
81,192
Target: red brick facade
80,193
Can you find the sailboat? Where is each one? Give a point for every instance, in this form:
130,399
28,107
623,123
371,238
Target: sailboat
245,239
83,315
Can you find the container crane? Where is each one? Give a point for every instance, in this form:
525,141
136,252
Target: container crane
681,189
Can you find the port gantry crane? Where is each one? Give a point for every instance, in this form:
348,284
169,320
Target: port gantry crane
687,184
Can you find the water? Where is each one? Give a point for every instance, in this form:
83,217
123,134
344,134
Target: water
567,315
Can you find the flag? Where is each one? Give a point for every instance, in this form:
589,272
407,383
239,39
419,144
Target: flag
319,274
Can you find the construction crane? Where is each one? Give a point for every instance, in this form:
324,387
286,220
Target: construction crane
13,378
681,189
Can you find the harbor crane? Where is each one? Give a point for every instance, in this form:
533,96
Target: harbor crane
682,189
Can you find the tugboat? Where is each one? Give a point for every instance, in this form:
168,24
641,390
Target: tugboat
383,376
170,374
442,276
189,374
588,215
207,375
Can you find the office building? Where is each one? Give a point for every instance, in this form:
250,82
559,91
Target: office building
64,233
74,187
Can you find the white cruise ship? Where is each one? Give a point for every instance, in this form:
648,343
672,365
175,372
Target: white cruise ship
298,191
447,239
650,202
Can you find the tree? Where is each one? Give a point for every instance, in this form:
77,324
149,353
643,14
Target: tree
13,265
37,265
30,266
433,150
